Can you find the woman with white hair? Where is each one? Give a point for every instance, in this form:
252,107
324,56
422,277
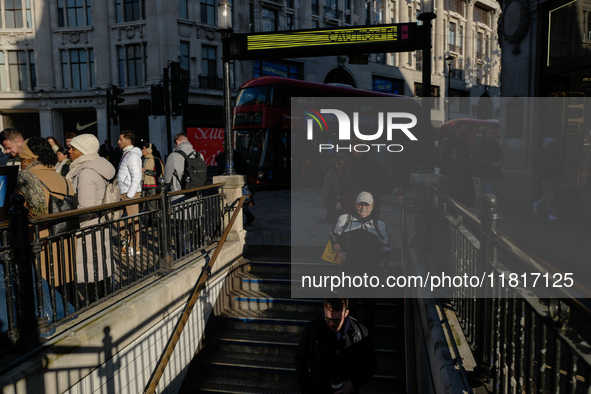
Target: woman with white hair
90,174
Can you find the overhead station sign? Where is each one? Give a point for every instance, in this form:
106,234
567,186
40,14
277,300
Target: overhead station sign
400,37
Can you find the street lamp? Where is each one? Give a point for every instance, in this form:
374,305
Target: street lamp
426,148
225,28
449,60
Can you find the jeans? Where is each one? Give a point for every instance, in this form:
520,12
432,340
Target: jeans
549,195
488,186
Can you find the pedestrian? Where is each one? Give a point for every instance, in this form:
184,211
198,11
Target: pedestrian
329,191
37,169
549,165
129,179
106,150
175,164
456,165
90,174
488,159
363,172
63,162
334,348
11,141
361,242
55,145
68,138
153,169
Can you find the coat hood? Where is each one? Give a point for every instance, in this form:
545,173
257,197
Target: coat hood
186,147
101,166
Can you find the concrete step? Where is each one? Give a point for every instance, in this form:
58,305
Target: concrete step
263,367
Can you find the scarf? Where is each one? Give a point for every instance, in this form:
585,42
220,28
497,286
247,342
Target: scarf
25,153
76,163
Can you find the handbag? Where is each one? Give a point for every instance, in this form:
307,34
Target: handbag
55,205
330,254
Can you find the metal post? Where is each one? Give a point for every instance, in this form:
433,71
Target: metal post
165,81
228,107
426,140
447,93
485,310
27,323
165,232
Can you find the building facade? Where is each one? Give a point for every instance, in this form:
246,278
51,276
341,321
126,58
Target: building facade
58,57
547,47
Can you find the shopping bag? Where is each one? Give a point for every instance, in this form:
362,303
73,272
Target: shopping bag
330,254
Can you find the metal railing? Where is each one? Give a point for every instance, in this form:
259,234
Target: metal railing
50,278
521,342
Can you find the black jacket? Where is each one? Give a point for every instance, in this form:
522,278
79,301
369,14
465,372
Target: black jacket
351,358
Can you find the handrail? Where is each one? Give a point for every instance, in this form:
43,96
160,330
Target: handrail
205,273
524,258
119,204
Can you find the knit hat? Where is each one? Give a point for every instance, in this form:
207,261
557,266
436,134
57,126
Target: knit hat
365,197
86,143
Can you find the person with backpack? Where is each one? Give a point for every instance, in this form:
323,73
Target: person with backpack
153,170
185,168
38,182
90,174
129,179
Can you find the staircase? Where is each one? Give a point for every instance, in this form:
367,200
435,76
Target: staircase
250,348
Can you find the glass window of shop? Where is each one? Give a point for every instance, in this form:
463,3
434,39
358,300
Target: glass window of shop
569,31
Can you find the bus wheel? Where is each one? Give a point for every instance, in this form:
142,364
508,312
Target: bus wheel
315,176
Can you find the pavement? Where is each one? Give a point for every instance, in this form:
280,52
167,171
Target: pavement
296,217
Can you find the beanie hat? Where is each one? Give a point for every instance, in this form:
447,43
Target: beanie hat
86,143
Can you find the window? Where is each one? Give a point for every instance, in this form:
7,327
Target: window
387,85
479,48
454,5
184,9
480,15
331,9
348,6
17,67
77,67
251,18
435,94
14,14
129,10
314,5
277,68
73,13
289,22
479,74
269,20
132,61
185,55
208,11
451,38
3,86
378,12
208,61
419,60
458,101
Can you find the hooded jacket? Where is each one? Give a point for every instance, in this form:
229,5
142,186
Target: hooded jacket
130,174
175,165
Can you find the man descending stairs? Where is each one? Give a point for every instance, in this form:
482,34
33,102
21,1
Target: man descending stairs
253,343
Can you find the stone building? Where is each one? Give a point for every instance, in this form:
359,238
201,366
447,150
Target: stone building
57,57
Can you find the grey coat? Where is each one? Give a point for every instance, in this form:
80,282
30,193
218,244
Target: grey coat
175,164
90,180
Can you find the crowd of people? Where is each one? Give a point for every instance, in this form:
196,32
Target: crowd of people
51,176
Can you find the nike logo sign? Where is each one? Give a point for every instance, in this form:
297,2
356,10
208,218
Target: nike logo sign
80,128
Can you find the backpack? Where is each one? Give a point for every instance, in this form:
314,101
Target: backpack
55,205
112,194
195,172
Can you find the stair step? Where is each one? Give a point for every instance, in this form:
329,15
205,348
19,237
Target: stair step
215,384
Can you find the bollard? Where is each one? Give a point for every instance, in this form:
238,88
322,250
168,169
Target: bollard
485,310
27,324
165,240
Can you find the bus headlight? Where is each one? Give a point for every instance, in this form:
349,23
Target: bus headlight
260,174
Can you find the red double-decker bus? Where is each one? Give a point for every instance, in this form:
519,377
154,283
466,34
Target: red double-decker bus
262,125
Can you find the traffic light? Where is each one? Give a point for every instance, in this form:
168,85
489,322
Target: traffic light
175,88
116,92
157,97
145,107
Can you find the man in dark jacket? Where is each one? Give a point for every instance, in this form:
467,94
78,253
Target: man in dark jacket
456,165
334,347
488,160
